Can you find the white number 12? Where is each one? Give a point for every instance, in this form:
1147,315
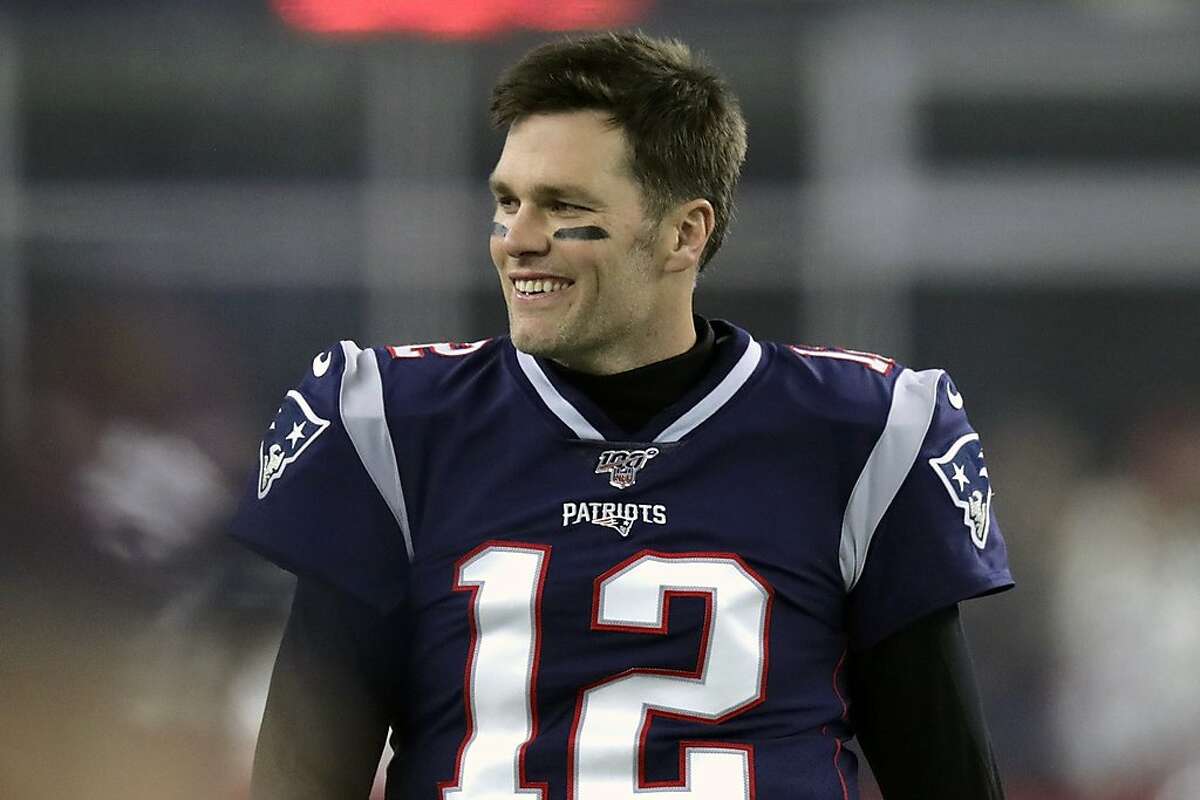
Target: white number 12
612,717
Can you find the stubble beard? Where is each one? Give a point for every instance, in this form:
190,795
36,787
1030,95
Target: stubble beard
571,341
535,341
579,336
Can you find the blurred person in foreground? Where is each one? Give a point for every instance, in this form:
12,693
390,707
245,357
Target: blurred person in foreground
128,621
625,551
1126,608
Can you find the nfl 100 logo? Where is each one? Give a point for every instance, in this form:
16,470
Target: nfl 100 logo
622,465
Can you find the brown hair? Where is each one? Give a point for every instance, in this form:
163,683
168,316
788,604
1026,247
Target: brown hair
685,128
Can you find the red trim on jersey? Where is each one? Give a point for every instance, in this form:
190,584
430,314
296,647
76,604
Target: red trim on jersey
838,746
837,753
447,349
542,787
651,714
405,351
837,691
872,361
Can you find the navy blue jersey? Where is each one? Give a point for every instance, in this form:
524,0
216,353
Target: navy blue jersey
593,615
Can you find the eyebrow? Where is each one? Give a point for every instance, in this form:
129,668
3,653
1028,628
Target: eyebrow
542,192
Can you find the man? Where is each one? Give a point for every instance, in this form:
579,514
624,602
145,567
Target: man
624,552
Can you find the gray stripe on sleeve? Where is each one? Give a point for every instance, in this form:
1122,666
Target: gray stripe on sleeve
361,408
914,398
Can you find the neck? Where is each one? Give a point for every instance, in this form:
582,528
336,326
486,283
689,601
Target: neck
631,399
645,344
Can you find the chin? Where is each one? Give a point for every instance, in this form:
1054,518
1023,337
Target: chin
534,341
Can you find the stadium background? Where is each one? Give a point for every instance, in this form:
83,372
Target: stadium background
194,199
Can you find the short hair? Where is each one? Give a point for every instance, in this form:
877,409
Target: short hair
684,125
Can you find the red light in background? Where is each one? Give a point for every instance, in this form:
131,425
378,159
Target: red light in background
456,19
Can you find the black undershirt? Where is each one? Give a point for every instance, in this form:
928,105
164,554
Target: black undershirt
914,701
632,398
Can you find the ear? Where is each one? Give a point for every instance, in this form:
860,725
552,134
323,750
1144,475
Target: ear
691,225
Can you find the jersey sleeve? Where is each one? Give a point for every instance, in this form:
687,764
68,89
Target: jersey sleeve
326,501
920,531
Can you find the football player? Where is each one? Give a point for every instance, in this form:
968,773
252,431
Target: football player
623,551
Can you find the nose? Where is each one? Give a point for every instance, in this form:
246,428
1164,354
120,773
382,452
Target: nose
526,234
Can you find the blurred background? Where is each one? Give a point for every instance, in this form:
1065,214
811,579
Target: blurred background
195,198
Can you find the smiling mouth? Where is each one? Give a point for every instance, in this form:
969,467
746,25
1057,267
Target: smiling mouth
539,287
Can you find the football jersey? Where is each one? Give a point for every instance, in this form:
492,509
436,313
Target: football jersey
596,615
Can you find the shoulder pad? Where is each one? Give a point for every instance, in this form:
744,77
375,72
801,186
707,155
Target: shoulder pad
327,499
849,386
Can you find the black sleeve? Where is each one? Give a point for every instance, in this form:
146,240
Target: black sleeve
326,717
916,710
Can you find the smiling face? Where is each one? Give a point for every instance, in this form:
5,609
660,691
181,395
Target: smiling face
589,280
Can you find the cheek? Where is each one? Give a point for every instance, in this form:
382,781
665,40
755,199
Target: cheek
620,273
496,249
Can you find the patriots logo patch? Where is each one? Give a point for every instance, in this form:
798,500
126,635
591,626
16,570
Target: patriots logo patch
296,426
622,525
618,516
965,476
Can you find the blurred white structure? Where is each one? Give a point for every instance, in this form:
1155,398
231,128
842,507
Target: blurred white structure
12,283
1127,602
1125,611
873,220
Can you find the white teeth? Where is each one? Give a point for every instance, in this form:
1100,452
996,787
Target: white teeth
540,286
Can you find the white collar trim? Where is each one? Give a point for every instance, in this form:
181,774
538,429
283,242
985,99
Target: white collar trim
689,421
719,396
554,400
